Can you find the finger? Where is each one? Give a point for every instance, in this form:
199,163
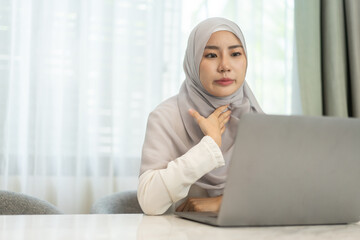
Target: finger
224,115
220,110
181,207
222,130
226,120
221,125
195,114
187,207
190,205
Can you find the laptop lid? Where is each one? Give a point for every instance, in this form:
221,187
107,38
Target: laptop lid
293,170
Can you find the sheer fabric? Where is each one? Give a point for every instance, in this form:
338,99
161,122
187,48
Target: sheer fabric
77,81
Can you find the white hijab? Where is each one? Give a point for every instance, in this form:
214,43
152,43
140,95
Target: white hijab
193,95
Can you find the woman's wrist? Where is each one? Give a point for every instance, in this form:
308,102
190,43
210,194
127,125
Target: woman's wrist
217,139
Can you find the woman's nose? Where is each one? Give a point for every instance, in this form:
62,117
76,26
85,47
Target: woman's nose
224,65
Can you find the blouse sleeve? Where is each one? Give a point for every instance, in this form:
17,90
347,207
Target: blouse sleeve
159,189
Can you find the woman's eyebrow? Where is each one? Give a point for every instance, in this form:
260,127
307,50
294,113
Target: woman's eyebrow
211,47
235,46
216,47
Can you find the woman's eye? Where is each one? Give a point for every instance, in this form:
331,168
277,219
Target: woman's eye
211,55
235,54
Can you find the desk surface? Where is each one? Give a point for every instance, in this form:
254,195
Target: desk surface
138,226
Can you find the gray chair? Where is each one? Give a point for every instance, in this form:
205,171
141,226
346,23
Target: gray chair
12,203
123,202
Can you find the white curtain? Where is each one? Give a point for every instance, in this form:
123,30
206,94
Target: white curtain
79,77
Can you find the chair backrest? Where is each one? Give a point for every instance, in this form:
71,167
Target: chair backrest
12,203
123,202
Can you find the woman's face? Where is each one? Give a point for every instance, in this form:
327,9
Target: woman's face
223,64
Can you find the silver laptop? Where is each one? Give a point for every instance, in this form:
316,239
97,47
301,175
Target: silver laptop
291,170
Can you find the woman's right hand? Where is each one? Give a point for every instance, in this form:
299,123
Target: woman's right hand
200,205
214,125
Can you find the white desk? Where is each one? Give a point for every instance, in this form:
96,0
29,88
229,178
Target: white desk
137,226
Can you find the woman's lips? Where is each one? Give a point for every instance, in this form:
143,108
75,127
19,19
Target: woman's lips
224,81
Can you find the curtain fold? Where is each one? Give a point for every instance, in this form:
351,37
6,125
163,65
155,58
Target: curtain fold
352,8
328,52
308,54
334,59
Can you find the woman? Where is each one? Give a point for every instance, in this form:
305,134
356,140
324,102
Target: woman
189,137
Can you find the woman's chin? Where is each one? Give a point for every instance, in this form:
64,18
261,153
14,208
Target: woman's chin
223,92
